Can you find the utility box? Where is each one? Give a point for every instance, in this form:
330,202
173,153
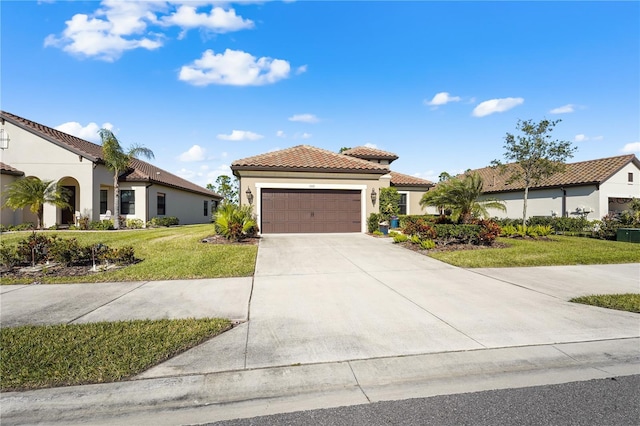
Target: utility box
628,235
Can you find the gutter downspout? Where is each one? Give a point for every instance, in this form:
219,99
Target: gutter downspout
564,202
146,190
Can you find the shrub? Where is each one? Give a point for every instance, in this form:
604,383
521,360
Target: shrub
120,256
163,221
101,225
83,223
457,234
427,244
373,222
489,231
34,248
389,203
8,255
419,227
415,239
393,233
235,223
26,226
400,238
508,231
135,223
377,233
68,251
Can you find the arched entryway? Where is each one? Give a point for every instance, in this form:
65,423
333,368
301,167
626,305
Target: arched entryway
72,187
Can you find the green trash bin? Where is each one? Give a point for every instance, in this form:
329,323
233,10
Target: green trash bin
628,235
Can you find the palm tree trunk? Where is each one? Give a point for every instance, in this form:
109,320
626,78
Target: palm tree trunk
116,201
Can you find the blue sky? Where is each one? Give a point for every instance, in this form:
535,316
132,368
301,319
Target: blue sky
438,83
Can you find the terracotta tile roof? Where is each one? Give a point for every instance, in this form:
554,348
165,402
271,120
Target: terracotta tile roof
141,171
6,169
399,179
308,158
581,173
366,153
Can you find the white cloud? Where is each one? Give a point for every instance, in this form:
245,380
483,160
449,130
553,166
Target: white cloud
371,145
430,175
583,138
88,132
306,136
301,69
496,105
117,26
240,135
281,134
442,98
631,147
234,68
563,109
113,29
195,153
304,118
217,20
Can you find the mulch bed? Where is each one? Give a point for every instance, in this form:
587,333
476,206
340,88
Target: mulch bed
450,247
47,271
219,239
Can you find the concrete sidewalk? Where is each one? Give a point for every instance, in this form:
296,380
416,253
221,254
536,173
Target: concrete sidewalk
337,320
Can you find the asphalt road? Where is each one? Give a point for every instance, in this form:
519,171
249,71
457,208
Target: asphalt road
596,402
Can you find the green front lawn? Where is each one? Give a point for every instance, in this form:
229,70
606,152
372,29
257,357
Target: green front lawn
629,302
557,250
167,253
73,354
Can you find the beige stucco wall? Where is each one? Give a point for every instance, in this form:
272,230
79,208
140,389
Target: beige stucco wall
366,183
37,157
413,199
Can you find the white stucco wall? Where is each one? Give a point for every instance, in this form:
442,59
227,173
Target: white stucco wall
187,206
618,187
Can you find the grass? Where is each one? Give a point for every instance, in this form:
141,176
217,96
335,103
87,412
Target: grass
629,302
558,250
35,357
168,254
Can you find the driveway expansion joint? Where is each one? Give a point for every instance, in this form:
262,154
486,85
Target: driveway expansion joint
143,283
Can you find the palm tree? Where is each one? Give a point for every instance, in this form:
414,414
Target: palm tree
460,195
34,193
117,160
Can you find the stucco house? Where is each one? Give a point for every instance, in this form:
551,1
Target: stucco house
146,191
304,189
592,189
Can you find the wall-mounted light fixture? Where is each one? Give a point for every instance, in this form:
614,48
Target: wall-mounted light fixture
374,196
249,196
4,139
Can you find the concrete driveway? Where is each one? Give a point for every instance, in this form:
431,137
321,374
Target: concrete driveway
325,298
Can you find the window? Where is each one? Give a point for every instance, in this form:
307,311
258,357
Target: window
206,208
127,201
161,203
630,177
103,201
403,203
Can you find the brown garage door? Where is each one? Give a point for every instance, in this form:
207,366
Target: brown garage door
310,210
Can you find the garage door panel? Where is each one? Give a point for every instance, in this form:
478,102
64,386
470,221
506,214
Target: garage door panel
310,211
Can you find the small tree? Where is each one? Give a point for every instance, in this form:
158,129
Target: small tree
389,203
117,160
535,154
460,195
343,149
35,193
226,187
444,176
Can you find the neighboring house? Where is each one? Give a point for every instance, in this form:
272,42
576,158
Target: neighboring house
591,189
305,189
146,191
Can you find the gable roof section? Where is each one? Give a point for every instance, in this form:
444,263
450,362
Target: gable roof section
400,179
6,169
367,153
140,171
593,172
305,158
